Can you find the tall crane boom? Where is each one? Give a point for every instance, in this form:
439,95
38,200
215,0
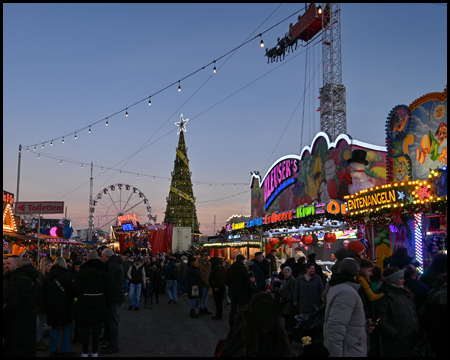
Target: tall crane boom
333,117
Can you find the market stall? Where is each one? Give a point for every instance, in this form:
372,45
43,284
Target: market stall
300,200
233,246
411,209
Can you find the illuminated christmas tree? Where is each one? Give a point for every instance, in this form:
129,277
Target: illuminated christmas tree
180,209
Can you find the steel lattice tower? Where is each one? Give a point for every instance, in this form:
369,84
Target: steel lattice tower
333,118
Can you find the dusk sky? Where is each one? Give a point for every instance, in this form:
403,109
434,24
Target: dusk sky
68,66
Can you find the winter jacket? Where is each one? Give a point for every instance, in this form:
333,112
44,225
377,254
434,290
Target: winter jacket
205,269
182,269
115,279
193,278
400,262
216,278
256,267
419,290
58,301
136,274
307,293
169,271
19,315
398,325
288,292
92,289
344,329
154,276
237,280
273,262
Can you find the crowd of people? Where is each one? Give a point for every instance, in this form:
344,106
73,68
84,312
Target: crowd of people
367,311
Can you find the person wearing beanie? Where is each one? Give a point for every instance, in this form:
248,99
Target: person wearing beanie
356,246
398,324
345,322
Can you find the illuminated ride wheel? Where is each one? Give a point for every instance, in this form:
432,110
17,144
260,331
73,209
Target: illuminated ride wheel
118,200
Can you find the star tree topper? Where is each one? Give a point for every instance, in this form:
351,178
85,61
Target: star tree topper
181,125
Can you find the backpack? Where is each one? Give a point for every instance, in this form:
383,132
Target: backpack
173,273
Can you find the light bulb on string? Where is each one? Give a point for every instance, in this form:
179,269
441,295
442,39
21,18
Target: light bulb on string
34,147
43,145
179,86
81,165
126,112
60,163
63,140
39,155
106,124
153,178
102,168
89,129
51,143
75,136
28,150
262,42
214,70
138,176
150,101
120,172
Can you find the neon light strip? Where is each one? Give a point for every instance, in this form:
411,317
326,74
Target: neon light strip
277,191
418,241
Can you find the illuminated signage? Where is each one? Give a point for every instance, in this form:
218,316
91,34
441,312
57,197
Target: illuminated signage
238,226
303,211
8,197
278,179
127,218
127,227
367,201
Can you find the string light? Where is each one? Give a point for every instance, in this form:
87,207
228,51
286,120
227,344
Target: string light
39,155
120,172
150,101
62,140
102,168
179,86
153,178
138,176
34,147
81,165
214,70
262,42
60,163
106,124
43,145
51,143
28,149
75,136
89,129
126,112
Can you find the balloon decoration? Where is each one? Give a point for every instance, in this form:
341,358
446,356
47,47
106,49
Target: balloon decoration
59,232
287,241
307,239
47,231
67,231
273,242
42,231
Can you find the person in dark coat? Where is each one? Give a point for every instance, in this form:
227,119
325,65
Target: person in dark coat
256,267
217,283
400,258
399,324
418,289
308,292
91,287
115,280
19,311
273,261
288,309
318,268
44,268
239,286
58,296
437,267
193,279
154,274
258,331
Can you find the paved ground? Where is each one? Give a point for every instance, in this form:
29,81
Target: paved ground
166,330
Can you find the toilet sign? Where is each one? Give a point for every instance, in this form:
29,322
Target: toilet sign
39,207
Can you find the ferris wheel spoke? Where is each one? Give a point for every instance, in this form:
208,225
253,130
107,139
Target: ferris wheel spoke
135,205
107,223
113,202
123,212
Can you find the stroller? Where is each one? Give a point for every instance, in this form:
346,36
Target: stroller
312,327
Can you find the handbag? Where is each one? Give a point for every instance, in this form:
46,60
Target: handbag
195,292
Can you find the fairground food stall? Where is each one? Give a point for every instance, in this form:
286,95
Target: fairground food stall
233,245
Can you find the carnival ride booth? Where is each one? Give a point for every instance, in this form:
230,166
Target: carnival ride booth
233,246
15,241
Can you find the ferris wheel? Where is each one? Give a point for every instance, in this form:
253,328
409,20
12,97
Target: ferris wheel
117,200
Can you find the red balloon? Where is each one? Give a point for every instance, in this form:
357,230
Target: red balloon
273,241
287,241
59,232
330,238
307,239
